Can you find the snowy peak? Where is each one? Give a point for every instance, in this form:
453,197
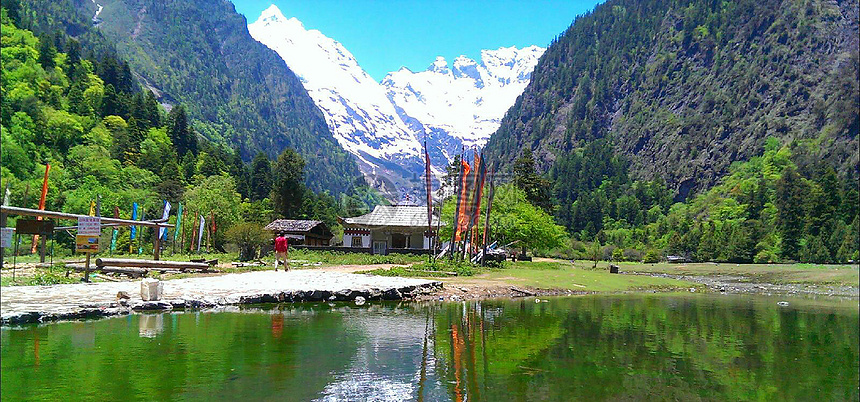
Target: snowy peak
384,124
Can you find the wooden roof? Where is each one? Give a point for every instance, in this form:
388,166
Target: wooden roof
293,225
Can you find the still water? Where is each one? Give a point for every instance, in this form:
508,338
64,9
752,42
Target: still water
582,348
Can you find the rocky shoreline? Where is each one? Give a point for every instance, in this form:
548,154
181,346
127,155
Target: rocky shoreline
36,304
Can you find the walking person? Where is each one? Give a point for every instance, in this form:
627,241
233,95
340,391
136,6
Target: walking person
281,250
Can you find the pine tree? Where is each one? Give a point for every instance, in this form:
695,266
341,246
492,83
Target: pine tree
47,52
288,187
180,133
526,179
789,201
261,177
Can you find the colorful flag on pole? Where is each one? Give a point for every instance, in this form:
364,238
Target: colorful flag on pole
464,200
92,208
479,189
113,235
429,187
41,204
200,231
162,232
178,222
456,216
140,242
134,218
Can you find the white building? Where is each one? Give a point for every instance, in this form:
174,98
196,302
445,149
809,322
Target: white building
390,228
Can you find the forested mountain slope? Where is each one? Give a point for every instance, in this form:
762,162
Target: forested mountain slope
237,92
685,88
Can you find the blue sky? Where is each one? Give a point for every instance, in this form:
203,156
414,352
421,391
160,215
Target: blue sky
385,35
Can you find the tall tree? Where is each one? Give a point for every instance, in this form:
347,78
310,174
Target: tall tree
789,199
261,177
47,52
288,187
532,184
180,132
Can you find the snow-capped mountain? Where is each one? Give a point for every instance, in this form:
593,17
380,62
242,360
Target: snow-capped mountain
468,100
384,124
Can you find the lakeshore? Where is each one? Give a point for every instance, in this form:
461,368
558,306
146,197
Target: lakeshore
318,281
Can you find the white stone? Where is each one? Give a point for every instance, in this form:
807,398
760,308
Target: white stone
151,290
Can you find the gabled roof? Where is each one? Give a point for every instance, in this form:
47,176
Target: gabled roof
292,225
393,215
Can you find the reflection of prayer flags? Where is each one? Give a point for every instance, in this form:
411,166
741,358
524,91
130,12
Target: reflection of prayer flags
162,232
134,218
200,231
178,222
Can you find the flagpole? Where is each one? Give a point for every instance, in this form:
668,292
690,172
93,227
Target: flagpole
458,189
487,216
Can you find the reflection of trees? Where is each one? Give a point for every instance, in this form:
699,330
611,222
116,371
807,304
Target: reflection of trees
597,348
197,356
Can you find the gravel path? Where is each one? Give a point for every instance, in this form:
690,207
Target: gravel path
22,304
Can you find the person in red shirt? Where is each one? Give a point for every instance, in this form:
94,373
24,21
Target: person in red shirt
282,248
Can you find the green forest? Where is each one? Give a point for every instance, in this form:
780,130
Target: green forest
105,138
685,88
236,92
715,131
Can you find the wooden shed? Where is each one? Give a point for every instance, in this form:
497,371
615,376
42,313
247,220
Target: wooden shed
302,232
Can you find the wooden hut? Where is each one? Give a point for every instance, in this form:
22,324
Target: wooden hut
302,232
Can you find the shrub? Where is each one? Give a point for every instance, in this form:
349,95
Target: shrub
248,237
651,257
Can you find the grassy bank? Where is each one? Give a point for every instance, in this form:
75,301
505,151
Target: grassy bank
810,274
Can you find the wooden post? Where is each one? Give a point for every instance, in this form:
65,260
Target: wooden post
42,240
2,225
87,269
156,251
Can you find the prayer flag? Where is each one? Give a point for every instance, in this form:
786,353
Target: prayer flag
162,232
200,232
178,222
134,218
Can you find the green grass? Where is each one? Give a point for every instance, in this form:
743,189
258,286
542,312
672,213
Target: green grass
815,274
563,275
338,258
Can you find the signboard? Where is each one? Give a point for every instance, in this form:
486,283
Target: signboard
86,244
32,226
6,237
89,226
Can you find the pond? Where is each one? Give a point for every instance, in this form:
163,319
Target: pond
666,347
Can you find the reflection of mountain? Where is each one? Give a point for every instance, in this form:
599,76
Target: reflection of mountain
388,361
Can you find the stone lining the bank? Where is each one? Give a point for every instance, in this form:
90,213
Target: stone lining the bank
33,304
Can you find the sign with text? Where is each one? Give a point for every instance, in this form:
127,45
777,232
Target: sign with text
6,237
89,226
86,244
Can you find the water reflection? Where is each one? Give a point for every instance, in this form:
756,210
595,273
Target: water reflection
585,348
150,325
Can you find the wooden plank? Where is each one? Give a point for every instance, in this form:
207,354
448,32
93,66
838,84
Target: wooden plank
129,262
156,223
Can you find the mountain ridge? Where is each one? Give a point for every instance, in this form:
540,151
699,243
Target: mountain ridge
685,88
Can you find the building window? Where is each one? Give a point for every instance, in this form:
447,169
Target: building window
356,241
